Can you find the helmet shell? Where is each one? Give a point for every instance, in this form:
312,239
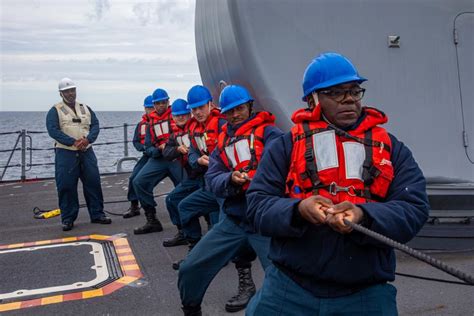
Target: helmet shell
233,96
198,96
148,102
160,95
66,84
327,70
180,107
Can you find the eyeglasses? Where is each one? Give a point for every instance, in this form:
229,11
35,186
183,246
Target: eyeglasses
340,94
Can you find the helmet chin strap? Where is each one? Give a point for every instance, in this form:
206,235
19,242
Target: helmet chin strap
66,100
315,99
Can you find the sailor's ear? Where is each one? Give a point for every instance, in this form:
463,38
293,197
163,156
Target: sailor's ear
250,106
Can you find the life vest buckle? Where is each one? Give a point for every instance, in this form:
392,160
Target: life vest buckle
334,189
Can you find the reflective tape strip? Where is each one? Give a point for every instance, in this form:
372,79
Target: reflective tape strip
143,129
229,151
185,140
201,143
354,157
158,131
83,111
165,128
243,150
64,110
325,151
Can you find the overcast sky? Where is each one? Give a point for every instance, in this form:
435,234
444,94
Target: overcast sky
116,51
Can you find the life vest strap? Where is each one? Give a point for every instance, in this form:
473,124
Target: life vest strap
311,170
364,141
308,133
334,189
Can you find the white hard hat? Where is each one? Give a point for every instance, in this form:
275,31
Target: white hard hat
66,84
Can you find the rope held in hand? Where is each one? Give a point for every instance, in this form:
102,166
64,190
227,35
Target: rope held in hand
469,279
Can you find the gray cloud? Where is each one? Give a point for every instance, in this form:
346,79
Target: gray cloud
164,12
100,8
103,42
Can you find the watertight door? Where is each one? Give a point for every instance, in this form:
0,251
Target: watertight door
464,40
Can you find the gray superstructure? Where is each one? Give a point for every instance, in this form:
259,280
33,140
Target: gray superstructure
417,55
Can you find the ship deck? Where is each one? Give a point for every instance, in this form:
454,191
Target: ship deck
156,292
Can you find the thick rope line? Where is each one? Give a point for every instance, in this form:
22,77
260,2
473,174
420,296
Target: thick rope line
469,279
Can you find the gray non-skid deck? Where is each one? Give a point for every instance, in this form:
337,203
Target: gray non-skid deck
158,294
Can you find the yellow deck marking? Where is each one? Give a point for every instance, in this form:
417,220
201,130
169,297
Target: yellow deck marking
99,237
126,258
43,242
16,245
126,279
68,239
121,242
129,267
92,293
123,250
10,306
52,299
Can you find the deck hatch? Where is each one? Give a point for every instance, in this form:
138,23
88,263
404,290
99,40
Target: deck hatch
72,268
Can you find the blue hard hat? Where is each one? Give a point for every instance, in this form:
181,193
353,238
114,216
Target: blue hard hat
180,107
198,96
233,96
148,102
327,70
160,95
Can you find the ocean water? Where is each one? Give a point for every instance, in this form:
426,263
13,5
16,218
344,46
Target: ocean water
107,155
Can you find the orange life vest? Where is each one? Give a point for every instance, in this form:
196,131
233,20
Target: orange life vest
350,166
242,151
181,134
160,126
204,135
142,126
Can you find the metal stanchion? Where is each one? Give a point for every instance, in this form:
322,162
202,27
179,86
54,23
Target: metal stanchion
125,142
23,155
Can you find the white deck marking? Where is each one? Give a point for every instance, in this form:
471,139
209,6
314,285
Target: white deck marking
100,266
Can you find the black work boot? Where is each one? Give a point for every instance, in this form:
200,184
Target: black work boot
192,310
177,240
133,210
152,223
192,242
246,291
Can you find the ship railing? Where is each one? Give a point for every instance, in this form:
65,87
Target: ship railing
24,143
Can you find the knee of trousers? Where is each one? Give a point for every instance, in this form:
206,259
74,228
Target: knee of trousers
186,269
137,183
170,203
185,205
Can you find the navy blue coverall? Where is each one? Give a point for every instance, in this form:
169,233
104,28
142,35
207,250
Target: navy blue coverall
131,195
70,166
185,187
201,202
155,170
228,238
318,271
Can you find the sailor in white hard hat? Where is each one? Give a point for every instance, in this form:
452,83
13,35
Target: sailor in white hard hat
75,127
